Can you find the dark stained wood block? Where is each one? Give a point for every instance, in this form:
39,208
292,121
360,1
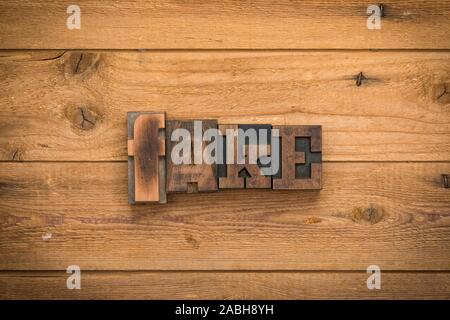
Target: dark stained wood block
146,157
190,177
301,158
229,173
243,175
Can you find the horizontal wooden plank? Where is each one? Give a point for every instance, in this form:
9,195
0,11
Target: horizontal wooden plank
224,285
57,105
134,24
395,215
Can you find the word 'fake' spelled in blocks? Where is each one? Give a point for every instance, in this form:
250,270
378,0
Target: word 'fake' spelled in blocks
167,156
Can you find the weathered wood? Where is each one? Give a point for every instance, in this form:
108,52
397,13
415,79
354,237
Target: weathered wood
50,109
235,175
146,157
224,285
70,106
131,24
229,175
192,177
395,215
295,155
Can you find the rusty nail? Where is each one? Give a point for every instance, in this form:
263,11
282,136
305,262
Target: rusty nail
445,180
359,78
381,10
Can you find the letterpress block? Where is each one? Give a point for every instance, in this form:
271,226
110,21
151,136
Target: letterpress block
247,174
146,157
301,158
198,175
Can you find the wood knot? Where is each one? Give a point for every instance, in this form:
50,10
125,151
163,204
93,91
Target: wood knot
81,62
16,155
442,93
371,214
192,241
82,117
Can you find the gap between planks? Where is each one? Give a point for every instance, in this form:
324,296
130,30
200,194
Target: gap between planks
143,271
230,50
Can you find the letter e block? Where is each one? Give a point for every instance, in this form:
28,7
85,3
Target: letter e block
301,158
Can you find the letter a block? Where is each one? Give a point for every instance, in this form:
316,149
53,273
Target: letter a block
191,177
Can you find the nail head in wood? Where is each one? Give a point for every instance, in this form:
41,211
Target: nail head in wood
444,178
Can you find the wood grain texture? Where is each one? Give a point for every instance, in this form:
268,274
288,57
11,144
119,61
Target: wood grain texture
247,174
148,153
386,148
57,105
194,24
224,285
231,179
291,157
197,176
395,215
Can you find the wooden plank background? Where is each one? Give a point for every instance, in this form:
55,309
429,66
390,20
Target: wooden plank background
222,285
225,24
64,96
403,102
366,212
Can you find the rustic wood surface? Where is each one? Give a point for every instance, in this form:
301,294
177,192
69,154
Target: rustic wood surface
57,105
396,214
224,285
189,177
381,96
248,175
290,157
148,152
259,24
231,180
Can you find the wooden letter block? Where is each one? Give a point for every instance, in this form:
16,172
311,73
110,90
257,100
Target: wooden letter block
146,157
301,158
200,156
245,175
190,177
